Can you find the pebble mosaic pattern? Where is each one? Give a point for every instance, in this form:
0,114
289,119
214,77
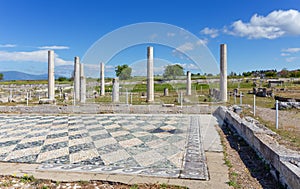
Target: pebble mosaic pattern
156,145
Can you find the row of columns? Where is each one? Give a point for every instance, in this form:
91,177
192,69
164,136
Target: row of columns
80,82
79,79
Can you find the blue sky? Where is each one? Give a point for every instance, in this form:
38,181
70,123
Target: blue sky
259,34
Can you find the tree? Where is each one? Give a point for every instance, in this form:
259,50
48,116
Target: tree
284,73
270,74
247,74
1,76
62,79
295,73
172,71
123,71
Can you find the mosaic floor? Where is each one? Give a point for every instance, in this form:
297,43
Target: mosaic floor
156,145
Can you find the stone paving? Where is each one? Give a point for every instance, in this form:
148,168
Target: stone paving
155,145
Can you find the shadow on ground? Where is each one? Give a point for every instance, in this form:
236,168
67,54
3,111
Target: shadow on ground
255,172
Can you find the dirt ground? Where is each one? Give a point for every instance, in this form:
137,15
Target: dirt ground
288,123
9,182
287,119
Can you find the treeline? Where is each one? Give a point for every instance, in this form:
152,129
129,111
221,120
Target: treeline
284,73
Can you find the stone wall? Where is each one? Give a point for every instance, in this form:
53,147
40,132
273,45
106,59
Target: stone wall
284,163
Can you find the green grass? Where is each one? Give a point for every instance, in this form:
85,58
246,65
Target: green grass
23,82
32,82
242,85
264,102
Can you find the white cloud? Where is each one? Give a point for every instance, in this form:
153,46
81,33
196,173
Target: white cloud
291,59
285,54
188,66
31,56
170,34
276,24
291,50
54,47
202,42
7,45
182,49
188,46
213,33
153,36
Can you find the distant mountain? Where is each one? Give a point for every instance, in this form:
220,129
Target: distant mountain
14,75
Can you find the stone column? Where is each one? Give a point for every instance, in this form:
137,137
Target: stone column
102,86
77,78
51,80
81,70
223,73
188,83
82,84
150,78
82,89
115,90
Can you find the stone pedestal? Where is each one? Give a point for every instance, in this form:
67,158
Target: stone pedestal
115,90
102,86
51,81
166,92
150,78
188,84
223,73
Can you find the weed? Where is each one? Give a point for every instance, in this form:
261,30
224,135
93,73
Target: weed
228,163
6,183
83,182
233,179
233,184
163,186
25,178
135,186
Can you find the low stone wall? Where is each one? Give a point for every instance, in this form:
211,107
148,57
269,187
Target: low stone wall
284,163
108,108
288,105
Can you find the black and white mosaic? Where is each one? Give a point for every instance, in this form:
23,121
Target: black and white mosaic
156,145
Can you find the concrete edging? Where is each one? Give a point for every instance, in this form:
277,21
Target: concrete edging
281,160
